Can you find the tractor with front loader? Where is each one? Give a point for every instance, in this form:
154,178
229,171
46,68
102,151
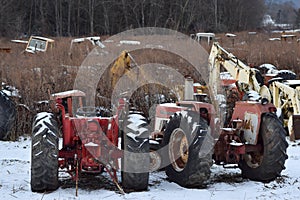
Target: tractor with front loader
285,96
245,132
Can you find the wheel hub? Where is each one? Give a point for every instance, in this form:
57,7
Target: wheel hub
178,150
155,161
253,160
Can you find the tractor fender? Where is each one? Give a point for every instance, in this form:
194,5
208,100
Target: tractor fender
250,114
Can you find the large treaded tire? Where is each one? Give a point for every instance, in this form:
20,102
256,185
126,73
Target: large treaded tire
44,153
7,116
136,161
286,75
196,171
272,136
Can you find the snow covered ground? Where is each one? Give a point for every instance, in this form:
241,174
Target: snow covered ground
225,183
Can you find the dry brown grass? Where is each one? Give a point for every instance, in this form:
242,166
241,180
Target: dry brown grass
34,74
257,50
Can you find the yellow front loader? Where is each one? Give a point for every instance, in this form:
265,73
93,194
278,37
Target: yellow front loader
286,98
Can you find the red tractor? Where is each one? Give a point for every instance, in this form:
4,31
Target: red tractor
89,143
242,132
254,141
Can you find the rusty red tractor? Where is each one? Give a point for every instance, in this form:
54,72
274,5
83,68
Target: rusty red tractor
193,142
238,127
89,144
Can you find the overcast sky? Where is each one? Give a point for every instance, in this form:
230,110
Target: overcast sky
297,2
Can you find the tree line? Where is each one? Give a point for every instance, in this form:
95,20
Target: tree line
106,17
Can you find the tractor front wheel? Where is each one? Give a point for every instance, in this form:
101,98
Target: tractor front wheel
44,153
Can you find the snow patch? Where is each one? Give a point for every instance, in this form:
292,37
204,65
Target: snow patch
223,184
91,144
271,69
253,95
195,125
169,105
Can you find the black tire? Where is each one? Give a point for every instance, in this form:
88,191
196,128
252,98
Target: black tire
192,169
7,116
136,161
44,153
266,68
259,77
269,163
286,75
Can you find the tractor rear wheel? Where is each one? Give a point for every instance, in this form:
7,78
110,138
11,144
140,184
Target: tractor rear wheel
44,153
190,146
286,75
7,116
266,165
136,161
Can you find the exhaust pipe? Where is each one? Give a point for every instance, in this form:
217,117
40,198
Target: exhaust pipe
189,89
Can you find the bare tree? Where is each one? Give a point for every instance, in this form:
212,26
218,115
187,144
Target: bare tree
70,6
78,17
58,17
105,7
91,11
